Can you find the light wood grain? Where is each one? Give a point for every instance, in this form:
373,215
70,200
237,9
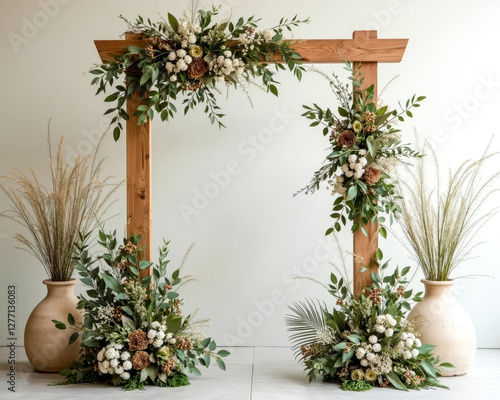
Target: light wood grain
315,51
139,180
365,246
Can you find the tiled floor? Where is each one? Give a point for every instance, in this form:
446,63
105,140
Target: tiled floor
260,373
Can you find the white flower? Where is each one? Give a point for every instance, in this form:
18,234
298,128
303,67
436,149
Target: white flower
105,364
363,161
404,336
239,71
127,365
349,174
359,173
163,327
415,353
172,56
172,341
377,347
389,332
399,347
221,59
392,321
188,59
409,342
380,319
151,334
192,38
370,356
364,362
352,166
100,355
219,79
344,168
380,328
418,343
228,63
362,152
144,324
118,346
125,376
119,370
157,342
173,78
181,64
114,363
102,368
111,353
160,335
358,167
125,356
155,325
360,353
227,53
406,354
180,53
169,335
411,336
352,158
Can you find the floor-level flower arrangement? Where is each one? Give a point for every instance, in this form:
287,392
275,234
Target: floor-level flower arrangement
134,333
365,340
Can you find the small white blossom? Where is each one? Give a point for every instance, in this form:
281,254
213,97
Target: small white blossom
102,368
151,334
172,56
362,152
414,353
118,346
418,343
363,161
157,343
155,325
111,353
409,342
173,78
125,376
389,332
360,353
172,341
163,327
105,364
359,174
180,53
404,336
370,356
114,363
227,53
377,347
380,319
352,159
364,362
100,355
380,328
188,59
344,168
192,38
406,354
169,335
125,356
184,44
349,174
411,336
119,370
352,166
127,365
160,335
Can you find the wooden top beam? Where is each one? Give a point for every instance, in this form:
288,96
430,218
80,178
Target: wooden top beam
312,50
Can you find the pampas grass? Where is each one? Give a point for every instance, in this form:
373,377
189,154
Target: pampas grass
55,216
440,224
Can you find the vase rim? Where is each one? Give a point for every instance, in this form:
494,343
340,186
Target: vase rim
50,282
448,282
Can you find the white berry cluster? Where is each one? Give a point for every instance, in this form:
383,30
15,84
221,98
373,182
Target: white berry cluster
113,361
105,313
226,64
177,61
157,336
354,167
369,355
385,325
407,345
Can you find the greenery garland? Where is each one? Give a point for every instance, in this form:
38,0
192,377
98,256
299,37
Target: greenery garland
190,57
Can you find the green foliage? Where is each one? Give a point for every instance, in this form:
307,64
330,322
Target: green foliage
366,339
119,304
157,73
374,148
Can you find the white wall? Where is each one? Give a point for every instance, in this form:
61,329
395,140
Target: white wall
253,236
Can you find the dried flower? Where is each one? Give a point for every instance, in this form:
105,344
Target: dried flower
130,248
118,313
140,360
185,344
137,340
347,138
306,351
169,366
197,68
372,175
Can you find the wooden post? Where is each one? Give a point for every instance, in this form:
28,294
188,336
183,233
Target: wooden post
365,47
365,247
139,178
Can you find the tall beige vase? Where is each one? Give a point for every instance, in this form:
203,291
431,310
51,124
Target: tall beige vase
46,346
442,321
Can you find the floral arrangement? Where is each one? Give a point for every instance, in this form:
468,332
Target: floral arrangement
364,148
191,56
366,340
133,332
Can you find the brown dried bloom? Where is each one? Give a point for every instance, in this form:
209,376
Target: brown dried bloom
122,266
169,366
177,305
140,360
307,351
333,135
184,344
385,382
138,340
168,287
372,175
400,291
130,248
369,117
371,128
250,31
375,296
193,87
347,138
118,313
371,191
197,68
340,302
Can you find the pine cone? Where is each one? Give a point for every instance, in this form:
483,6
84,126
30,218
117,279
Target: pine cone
140,360
347,138
197,68
137,340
